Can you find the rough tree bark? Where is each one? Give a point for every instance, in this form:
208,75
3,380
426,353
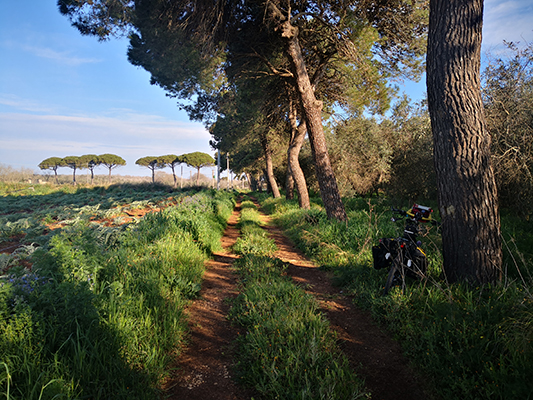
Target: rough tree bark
298,132
312,109
467,190
289,186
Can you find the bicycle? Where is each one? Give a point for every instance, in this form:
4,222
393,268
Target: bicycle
403,255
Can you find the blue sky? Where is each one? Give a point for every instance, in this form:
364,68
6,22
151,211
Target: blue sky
65,94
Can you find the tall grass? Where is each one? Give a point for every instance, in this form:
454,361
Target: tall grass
470,342
100,313
288,351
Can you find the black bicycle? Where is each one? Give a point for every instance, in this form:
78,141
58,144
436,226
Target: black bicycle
403,255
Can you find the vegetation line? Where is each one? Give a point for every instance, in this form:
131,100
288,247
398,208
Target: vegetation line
94,308
470,342
288,350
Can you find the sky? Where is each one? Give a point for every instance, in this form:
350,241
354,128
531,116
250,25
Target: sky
65,94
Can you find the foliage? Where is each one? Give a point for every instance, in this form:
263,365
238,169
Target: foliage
393,155
111,161
197,160
152,163
508,98
100,295
346,53
412,170
361,155
74,163
52,163
171,161
90,161
469,342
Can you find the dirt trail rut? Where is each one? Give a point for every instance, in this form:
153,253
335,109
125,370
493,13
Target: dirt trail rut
203,371
371,352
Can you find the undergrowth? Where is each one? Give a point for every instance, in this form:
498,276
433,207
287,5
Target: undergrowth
287,350
469,342
97,311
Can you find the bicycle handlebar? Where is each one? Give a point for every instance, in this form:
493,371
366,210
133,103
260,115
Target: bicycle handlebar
417,217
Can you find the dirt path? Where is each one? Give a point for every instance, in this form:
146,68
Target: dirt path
371,352
203,371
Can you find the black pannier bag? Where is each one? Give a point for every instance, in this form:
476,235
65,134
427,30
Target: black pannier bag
413,258
415,261
384,253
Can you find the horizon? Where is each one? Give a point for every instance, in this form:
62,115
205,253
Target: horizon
62,93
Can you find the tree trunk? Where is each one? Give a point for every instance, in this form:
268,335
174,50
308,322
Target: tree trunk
467,190
312,109
174,176
109,177
297,139
269,167
289,185
253,182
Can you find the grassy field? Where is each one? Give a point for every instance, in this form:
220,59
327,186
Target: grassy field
91,300
93,282
469,342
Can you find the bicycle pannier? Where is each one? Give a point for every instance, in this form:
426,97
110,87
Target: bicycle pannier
416,261
383,253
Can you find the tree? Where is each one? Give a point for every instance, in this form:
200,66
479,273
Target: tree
361,155
90,161
321,42
465,179
335,34
412,170
171,161
152,163
508,98
111,161
74,163
197,160
52,163
298,129
247,120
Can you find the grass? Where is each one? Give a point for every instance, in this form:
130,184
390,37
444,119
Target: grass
469,342
99,314
287,350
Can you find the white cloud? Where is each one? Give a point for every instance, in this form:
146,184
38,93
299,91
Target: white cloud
507,20
61,57
27,139
23,104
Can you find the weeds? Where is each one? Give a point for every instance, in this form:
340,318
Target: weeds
288,351
99,310
470,342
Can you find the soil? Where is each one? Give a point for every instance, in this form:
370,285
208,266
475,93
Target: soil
204,369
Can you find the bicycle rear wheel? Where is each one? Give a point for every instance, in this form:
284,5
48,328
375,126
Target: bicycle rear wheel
390,277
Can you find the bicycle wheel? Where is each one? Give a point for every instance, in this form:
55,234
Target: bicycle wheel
390,278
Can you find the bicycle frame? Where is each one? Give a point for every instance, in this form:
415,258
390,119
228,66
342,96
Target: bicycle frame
404,255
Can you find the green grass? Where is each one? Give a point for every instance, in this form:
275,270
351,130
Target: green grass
287,350
100,313
469,342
